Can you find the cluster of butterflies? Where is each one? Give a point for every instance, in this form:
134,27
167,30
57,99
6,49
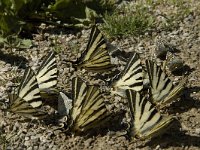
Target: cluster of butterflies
87,109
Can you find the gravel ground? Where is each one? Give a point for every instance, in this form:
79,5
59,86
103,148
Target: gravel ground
21,133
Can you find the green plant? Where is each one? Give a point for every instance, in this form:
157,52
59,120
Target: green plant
12,41
20,15
136,18
129,21
13,14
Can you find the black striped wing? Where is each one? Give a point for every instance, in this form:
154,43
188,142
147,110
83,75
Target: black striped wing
27,101
88,110
96,56
47,73
147,122
131,77
162,89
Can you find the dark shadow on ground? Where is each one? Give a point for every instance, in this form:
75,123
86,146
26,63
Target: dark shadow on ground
186,102
112,124
14,60
185,70
59,29
174,138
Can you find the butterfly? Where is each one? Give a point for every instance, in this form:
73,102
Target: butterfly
162,90
146,120
130,78
96,57
47,75
26,99
88,107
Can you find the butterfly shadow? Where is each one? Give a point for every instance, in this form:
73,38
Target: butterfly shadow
174,138
57,30
113,126
186,101
185,70
14,60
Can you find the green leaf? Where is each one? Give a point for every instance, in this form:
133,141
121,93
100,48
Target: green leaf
25,43
9,24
